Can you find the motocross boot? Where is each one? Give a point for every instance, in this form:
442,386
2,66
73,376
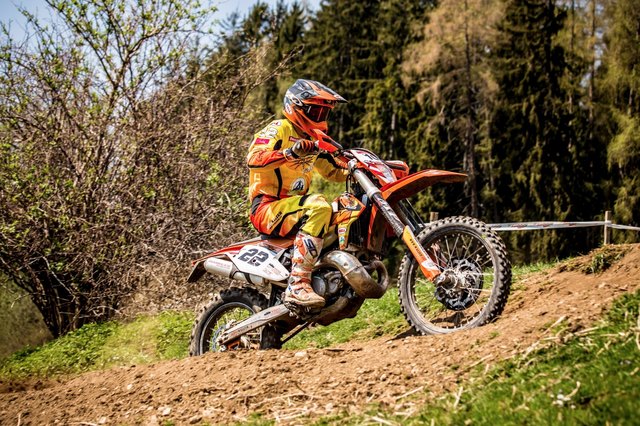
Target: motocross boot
306,250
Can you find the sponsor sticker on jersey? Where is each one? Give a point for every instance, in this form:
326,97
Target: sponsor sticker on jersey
273,222
298,185
261,141
269,132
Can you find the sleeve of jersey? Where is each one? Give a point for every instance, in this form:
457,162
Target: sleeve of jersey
265,152
328,169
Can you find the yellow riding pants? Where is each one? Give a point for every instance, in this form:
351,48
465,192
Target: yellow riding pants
275,217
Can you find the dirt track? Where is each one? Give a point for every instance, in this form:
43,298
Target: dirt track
399,373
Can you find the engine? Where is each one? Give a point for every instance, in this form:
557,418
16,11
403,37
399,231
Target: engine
327,282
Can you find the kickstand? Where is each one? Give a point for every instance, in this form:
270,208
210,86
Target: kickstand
298,329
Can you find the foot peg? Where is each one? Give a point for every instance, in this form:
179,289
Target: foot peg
302,312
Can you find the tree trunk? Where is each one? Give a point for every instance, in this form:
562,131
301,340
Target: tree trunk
471,185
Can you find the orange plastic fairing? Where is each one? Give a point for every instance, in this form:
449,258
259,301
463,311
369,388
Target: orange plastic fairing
414,183
427,266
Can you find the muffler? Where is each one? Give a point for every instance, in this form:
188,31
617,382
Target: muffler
357,275
227,269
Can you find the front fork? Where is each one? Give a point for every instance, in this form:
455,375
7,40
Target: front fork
402,231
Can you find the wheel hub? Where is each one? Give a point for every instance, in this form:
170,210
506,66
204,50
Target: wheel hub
462,287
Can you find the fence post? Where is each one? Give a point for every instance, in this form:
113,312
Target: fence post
433,216
607,230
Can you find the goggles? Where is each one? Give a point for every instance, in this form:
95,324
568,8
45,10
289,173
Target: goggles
317,113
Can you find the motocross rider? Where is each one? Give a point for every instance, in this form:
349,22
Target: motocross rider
281,160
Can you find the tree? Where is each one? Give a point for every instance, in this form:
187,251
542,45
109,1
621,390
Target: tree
589,180
452,64
278,34
390,102
116,153
531,127
621,81
342,51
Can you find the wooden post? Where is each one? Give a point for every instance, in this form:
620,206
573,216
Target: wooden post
433,216
607,230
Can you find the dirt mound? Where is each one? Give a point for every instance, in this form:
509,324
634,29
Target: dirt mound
399,373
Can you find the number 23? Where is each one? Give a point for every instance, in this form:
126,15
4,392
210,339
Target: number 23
254,256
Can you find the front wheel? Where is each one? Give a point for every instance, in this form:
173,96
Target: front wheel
228,308
475,258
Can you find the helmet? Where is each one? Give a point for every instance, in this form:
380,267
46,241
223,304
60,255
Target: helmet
307,104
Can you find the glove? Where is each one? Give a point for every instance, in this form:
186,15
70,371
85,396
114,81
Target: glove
301,148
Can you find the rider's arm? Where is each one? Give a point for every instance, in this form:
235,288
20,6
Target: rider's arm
265,151
329,169
264,156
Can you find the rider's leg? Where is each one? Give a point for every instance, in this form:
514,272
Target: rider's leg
306,251
280,218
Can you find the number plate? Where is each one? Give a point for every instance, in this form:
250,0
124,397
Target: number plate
257,260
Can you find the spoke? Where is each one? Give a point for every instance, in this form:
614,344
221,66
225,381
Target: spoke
487,261
455,244
473,260
475,252
466,248
478,309
435,256
446,239
234,314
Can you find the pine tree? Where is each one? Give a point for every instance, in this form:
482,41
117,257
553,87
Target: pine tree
452,64
342,51
288,32
622,83
277,33
531,128
391,102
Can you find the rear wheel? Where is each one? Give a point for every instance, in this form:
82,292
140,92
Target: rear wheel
230,307
475,257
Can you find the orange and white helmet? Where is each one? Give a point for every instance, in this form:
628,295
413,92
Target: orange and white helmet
307,104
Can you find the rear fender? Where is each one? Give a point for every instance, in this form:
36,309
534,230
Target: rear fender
275,244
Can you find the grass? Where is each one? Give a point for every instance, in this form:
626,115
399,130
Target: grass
375,318
21,323
594,378
589,378
599,260
144,340
519,272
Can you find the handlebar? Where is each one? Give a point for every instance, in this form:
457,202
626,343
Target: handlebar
326,144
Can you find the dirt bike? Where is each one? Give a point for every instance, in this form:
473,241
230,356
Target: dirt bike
454,275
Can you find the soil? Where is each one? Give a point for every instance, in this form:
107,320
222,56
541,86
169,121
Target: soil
399,373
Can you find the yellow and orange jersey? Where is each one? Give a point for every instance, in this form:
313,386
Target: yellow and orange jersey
273,175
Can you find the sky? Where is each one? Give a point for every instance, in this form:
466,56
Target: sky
9,11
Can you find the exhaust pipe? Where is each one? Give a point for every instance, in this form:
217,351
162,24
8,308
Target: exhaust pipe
356,275
227,269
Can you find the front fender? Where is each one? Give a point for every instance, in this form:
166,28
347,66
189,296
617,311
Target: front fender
416,182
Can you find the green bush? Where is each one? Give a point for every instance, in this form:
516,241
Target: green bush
94,346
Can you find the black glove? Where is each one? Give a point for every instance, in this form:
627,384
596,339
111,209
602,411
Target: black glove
302,148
